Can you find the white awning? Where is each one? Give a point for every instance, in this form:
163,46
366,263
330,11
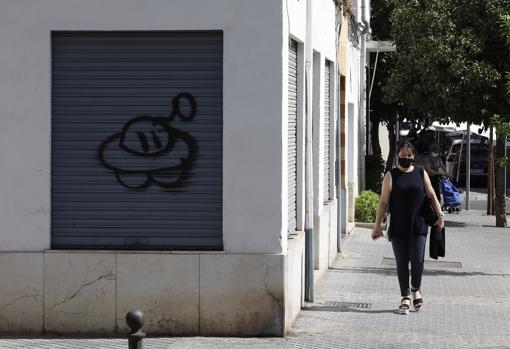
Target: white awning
381,46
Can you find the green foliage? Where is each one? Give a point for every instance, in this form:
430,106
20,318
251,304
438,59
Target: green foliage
374,168
380,12
452,64
502,129
450,60
504,21
365,207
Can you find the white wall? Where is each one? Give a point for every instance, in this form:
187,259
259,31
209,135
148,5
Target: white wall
294,27
318,132
323,22
356,94
324,44
252,138
294,19
255,111
352,97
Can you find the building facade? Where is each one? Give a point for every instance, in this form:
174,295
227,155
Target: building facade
154,158
352,53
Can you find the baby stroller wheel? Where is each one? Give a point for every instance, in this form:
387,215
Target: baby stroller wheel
449,210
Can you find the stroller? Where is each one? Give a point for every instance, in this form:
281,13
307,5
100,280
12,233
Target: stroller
451,196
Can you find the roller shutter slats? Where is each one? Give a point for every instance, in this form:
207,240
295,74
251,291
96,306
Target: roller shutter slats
327,131
101,80
292,136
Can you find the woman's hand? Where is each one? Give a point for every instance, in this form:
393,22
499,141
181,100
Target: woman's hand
439,223
377,232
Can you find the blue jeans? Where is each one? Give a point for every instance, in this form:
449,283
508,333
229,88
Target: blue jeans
411,249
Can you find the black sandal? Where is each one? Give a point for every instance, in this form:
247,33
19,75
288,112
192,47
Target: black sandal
417,302
403,309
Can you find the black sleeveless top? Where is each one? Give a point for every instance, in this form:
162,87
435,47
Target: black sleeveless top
406,199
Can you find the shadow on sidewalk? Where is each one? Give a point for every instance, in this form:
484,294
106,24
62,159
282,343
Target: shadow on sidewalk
430,272
453,224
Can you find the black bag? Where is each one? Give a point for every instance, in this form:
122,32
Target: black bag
427,209
437,242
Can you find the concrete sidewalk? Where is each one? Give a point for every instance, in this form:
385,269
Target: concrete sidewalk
478,199
466,300
466,295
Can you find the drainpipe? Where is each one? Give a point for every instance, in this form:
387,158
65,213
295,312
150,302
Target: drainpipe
308,158
361,127
468,165
338,183
365,29
338,167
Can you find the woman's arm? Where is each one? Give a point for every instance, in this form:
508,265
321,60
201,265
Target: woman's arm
383,204
384,199
432,195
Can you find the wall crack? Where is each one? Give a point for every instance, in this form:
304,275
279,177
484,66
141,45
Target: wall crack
5,306
67,299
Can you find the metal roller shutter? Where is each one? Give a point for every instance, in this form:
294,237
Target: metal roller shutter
292,136
137,140
327,131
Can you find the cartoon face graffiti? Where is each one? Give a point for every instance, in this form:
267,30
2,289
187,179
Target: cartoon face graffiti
148,150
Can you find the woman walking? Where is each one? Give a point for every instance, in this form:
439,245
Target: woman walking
403,190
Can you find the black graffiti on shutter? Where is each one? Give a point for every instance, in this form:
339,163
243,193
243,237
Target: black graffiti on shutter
150,151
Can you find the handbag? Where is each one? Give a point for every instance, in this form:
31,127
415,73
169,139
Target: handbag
427,211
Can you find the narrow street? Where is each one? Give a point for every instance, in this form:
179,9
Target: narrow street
466,300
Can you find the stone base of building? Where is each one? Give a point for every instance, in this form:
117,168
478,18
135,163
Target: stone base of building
325,238
63,292
181,293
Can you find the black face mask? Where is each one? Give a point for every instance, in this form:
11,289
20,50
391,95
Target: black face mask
405,162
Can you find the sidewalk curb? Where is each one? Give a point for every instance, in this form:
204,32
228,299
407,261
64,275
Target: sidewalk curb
364,225
368,225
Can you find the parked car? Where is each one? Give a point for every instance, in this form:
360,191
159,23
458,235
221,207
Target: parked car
479,161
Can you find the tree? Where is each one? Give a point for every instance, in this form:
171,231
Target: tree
382,110
505,29
450,63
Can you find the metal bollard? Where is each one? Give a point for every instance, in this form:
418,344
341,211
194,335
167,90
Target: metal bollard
134,320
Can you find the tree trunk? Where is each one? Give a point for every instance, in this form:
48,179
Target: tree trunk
490,175
500,204
374,136
393,143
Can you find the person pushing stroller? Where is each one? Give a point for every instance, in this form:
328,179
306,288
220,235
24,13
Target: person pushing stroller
435,169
